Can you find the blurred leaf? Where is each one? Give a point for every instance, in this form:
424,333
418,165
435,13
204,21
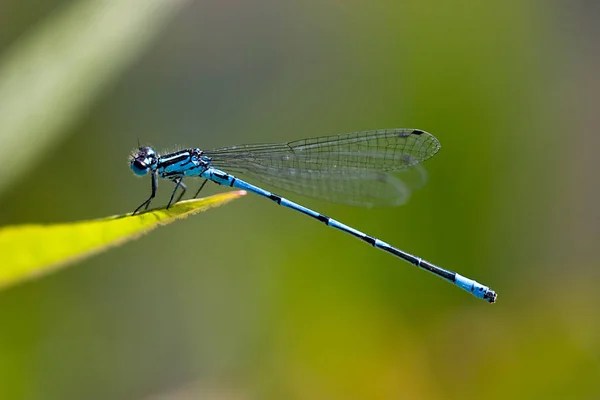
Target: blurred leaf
55,71
28,251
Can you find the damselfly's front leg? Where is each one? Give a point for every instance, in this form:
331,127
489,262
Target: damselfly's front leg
152,195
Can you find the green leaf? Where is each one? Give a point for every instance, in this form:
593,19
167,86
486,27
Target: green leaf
29,251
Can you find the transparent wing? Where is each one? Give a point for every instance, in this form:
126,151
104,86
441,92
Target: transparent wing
359,188
380,150
352,168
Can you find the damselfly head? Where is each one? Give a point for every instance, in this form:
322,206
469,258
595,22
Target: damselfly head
143,160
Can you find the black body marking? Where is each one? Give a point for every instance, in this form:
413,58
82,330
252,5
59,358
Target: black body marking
359,235
451,276
275,198
220,175
174,158
324,219
173,174
369,239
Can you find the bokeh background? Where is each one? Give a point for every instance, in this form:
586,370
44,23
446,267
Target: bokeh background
253,301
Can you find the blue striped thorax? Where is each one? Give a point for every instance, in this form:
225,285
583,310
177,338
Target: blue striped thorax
178,164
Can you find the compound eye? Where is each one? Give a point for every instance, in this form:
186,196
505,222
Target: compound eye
139,168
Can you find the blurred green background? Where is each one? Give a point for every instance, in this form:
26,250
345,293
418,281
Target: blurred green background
253,301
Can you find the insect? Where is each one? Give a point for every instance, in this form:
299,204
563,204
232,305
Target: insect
352,168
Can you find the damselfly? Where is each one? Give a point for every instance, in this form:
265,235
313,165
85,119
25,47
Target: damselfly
353,168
